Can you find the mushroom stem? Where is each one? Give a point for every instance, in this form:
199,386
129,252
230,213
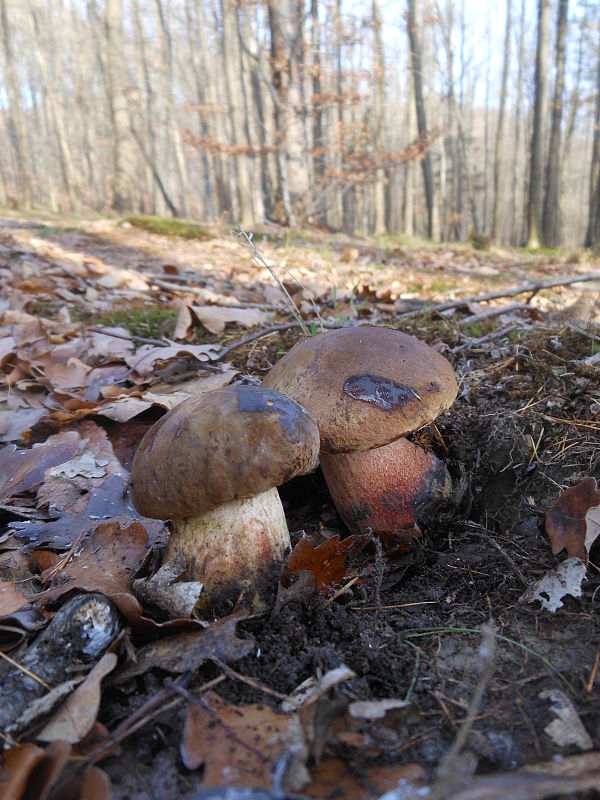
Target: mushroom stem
386,488
234,544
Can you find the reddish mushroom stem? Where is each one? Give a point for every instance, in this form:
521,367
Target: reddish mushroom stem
382,489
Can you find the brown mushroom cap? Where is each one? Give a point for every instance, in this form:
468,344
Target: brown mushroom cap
219,446
365,386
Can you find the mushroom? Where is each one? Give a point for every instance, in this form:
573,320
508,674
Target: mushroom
367,387
212,465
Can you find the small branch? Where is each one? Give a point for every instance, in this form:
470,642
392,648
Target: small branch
487,652
266,332
534,287
481,531
493,312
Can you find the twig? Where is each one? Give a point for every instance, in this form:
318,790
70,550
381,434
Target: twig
232,673
481,531
535,287
152,707
265,332
131,338
26,671
487,651
497,311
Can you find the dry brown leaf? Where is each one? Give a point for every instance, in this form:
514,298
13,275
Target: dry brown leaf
215,318
188,651
566,523
11,599
238,746
331,779
95,785
16,766
327,561
74,720
106,562
47,772
23,470
144,359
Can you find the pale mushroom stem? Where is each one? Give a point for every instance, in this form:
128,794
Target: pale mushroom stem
383,488
234,543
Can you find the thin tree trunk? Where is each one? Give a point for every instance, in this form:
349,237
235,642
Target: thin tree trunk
592,238
55,114
551,215
416,63
116,67
233,68
379,100
285,22
514,233
536,170
317,102
498,183
408,210
16,121
486,133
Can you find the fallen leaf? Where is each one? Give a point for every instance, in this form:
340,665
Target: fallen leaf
327,561
566,729
239,746
165,592
106,562
48,771
23,470
95,785
11,599
566,522
188,651
215,318
331,779
564,579
144,359
73,721
16,766
108,501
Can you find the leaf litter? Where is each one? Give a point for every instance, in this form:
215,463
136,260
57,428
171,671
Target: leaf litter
76,394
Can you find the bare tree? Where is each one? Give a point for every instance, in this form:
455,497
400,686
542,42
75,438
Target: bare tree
433,229
285,22
592,237
498,184
378,132
551,213
235,96
16,121
536,169
116,69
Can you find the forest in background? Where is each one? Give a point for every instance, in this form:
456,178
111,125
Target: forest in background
446,119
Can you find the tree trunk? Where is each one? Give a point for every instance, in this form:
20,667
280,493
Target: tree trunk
536,169
378,119
116,68
285,22
498,183
515,218
416,63
408,208
551,216
592,238
15,116
233,68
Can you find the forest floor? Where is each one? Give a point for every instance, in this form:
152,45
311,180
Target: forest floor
424,673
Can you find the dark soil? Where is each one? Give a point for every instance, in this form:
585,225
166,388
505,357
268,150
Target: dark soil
410,627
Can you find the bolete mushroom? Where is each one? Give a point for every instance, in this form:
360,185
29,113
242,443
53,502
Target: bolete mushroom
212,465
367,388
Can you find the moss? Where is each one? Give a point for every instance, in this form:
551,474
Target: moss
149,322
170,227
